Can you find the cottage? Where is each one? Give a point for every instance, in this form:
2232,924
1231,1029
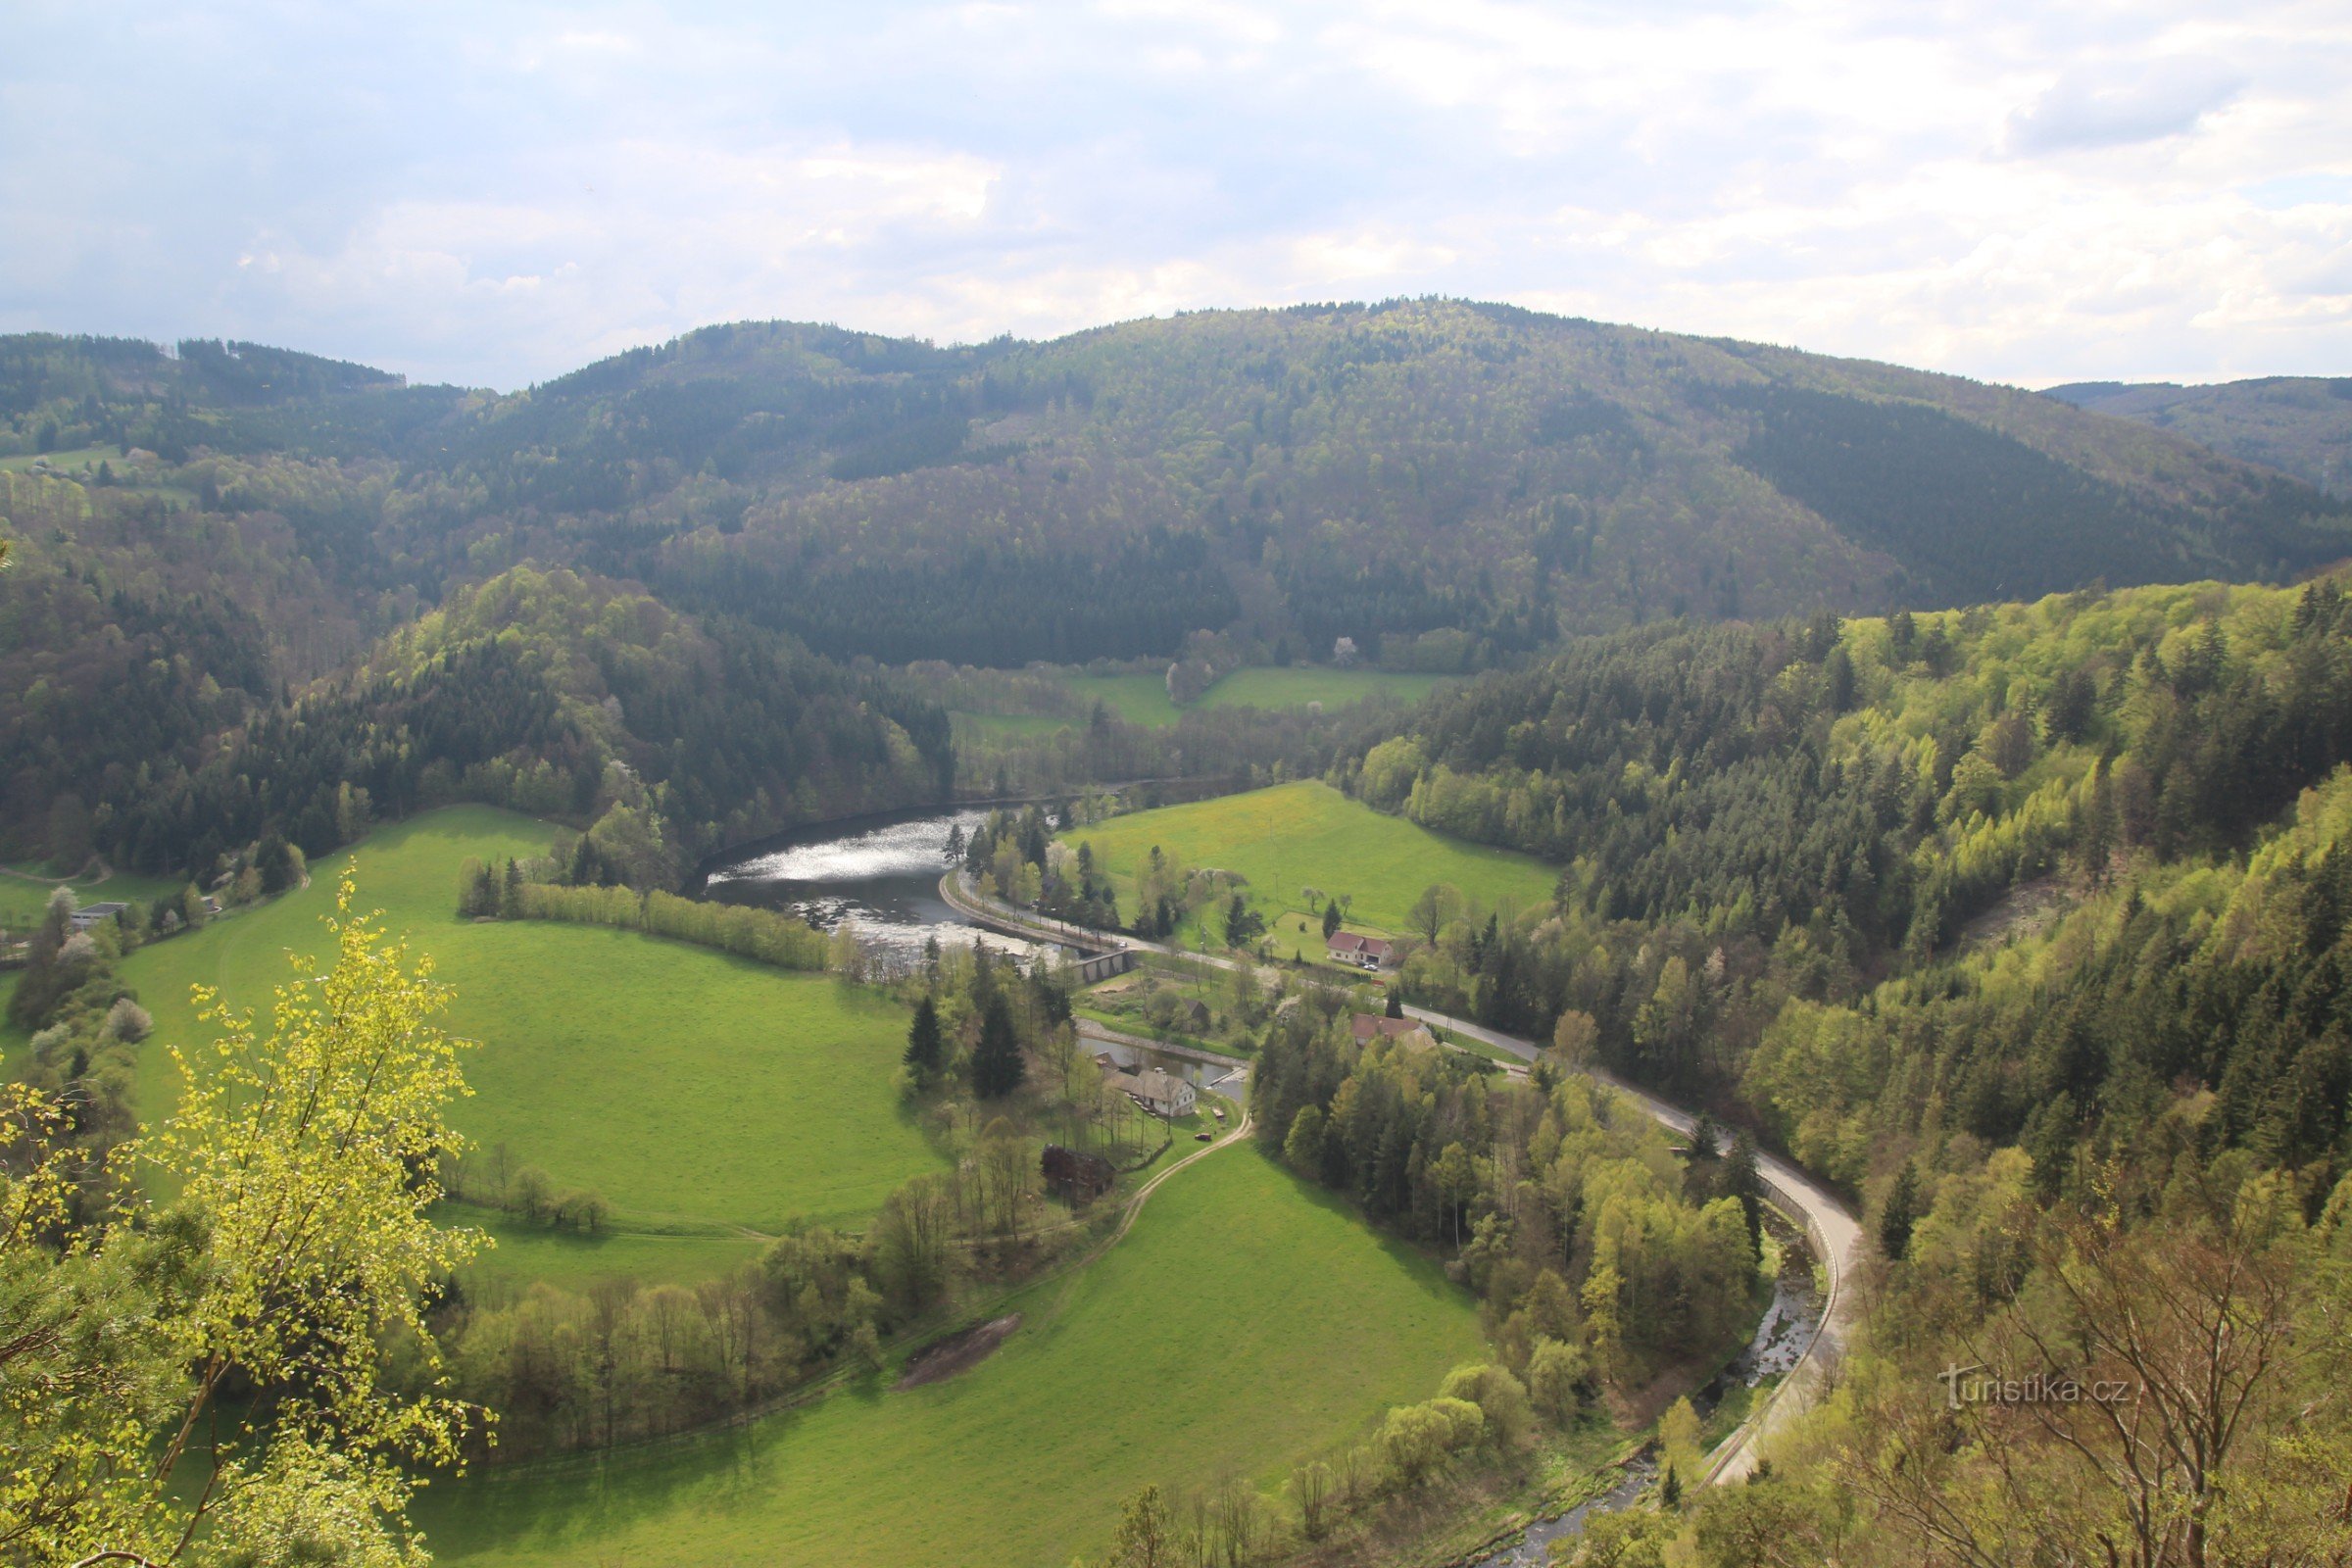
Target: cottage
1371,1026
1365,952
1191,1015
89,915
1162,1093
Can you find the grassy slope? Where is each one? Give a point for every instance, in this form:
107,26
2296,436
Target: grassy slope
1144,698
1310,835
21,901
1301,684
694,1090
1246,1322
1137,699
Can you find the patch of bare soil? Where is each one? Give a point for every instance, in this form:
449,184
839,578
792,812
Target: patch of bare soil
2024,910
958,1352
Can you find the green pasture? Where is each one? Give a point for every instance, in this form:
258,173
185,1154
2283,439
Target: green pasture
525,1253
1301,684
1144,698
1302,835
1137,699
23,897
701,1094
1249,1321
67,463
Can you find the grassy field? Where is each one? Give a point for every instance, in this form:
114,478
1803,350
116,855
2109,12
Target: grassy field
73,462
1144,698
699,1093
1246,1322
527,1252
1301,835
12,1039
1137,699
22,899
1301,684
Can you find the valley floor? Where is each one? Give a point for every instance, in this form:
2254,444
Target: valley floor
1248,1322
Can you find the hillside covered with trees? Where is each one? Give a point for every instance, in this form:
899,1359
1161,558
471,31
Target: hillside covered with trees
2298,425
2027,924
1367,471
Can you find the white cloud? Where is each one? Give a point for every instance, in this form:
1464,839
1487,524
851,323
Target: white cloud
2005,188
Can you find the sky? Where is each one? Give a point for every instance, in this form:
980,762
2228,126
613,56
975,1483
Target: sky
2020,190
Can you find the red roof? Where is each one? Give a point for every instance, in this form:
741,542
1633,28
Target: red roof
1368,1024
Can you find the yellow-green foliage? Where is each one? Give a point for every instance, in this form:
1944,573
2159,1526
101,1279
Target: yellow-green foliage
737,928
697,1091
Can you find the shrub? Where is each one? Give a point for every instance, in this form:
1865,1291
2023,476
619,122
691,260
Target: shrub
1555,1372
1417,1438
1501,1398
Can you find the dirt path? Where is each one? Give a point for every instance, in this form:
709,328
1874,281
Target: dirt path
1836,1235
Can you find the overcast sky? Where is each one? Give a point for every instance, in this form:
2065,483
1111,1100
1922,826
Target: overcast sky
2025,190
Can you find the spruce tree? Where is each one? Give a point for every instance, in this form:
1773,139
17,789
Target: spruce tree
1742,1180
1899,1213
1705,1137
924,1054
997,1065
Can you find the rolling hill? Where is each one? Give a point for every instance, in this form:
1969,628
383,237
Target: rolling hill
1374,471
216,536
2301,425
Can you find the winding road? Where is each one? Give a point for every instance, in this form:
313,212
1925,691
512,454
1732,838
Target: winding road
1836,1235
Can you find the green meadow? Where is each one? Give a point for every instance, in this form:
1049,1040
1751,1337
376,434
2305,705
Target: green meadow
22,898
1246,1322
704,1096
1307,834
1144,698
1301,684
1137,699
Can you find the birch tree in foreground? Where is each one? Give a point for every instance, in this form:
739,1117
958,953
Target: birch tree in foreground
291,1256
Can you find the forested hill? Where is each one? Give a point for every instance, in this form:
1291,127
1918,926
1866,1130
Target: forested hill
2301,425
1376,472
543,691
2023,872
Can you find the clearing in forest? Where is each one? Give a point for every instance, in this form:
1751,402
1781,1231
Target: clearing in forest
1297,836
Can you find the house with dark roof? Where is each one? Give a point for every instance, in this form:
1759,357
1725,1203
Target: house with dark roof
1364,953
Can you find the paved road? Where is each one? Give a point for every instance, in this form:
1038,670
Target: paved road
1836,1235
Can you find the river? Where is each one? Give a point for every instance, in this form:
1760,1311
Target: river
880,874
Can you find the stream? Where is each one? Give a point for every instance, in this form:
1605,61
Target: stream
1772,1350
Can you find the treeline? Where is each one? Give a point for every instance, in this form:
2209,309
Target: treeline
762,935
